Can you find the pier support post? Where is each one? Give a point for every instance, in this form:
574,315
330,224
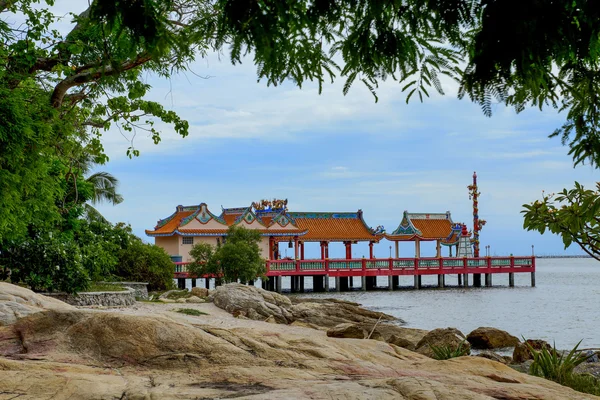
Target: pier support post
278,284
459,279
293,286
363,283
181,283
207,283
263,284
476,280
396,281
350,282
301,283
326,282
390,282
337,284
466,280
417,282
533,279
193,283
511,279
488,280
251,282
441,281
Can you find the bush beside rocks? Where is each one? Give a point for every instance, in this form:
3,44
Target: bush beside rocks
522,352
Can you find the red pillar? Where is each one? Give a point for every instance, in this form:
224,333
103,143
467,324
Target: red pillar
322,250
347,244
270,247
349,250
371,250
327,250
302,250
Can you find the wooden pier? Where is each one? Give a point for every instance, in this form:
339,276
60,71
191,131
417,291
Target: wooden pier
345,271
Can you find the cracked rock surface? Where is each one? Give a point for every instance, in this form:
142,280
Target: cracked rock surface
149,351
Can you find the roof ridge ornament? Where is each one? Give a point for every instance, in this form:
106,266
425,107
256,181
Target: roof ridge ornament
268,206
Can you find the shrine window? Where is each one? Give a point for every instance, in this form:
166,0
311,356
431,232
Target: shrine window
188,240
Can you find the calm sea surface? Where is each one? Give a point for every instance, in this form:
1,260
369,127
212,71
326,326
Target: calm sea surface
563,307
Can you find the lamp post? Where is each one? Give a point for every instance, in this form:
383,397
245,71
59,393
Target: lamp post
532,251
390,251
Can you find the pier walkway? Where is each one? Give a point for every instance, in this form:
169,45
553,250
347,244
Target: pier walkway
367,270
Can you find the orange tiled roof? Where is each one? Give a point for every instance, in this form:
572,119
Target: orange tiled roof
172,224
433,226
334,227
209,232
311,226
230,218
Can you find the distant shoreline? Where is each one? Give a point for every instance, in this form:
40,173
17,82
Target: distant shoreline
577,256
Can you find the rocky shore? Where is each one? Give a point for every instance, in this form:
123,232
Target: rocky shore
245,343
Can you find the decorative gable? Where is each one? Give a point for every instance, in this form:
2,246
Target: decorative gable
202,218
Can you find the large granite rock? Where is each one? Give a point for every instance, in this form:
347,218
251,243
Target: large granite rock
17,302
199,292
258,304
442,337
407,338
253,303
158,354
491,338
521,353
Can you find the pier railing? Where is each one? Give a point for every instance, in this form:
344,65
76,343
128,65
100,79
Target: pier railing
391,266
401,266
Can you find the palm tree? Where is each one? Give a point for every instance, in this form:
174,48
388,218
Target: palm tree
105,189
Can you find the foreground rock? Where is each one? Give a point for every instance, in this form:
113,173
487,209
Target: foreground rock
442,337
160,354
259,304
17,302
407,338
491,338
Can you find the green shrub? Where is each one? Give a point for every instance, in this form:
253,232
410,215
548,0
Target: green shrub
141,262
584,383
104,287
46,264
238,258
447,352
191,311
558,367
555,365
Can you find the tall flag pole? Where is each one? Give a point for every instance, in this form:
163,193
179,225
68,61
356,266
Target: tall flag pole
477,223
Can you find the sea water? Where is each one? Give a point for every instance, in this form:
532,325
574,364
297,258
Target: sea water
564,307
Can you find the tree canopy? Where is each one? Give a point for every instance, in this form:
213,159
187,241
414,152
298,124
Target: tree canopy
59,91
238,258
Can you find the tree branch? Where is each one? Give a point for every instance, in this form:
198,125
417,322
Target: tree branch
81,78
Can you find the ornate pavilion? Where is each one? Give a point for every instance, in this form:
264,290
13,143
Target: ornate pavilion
189,225
418,227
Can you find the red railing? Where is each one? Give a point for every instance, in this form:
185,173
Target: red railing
392,266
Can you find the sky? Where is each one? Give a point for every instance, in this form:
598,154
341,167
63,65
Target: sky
330,152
